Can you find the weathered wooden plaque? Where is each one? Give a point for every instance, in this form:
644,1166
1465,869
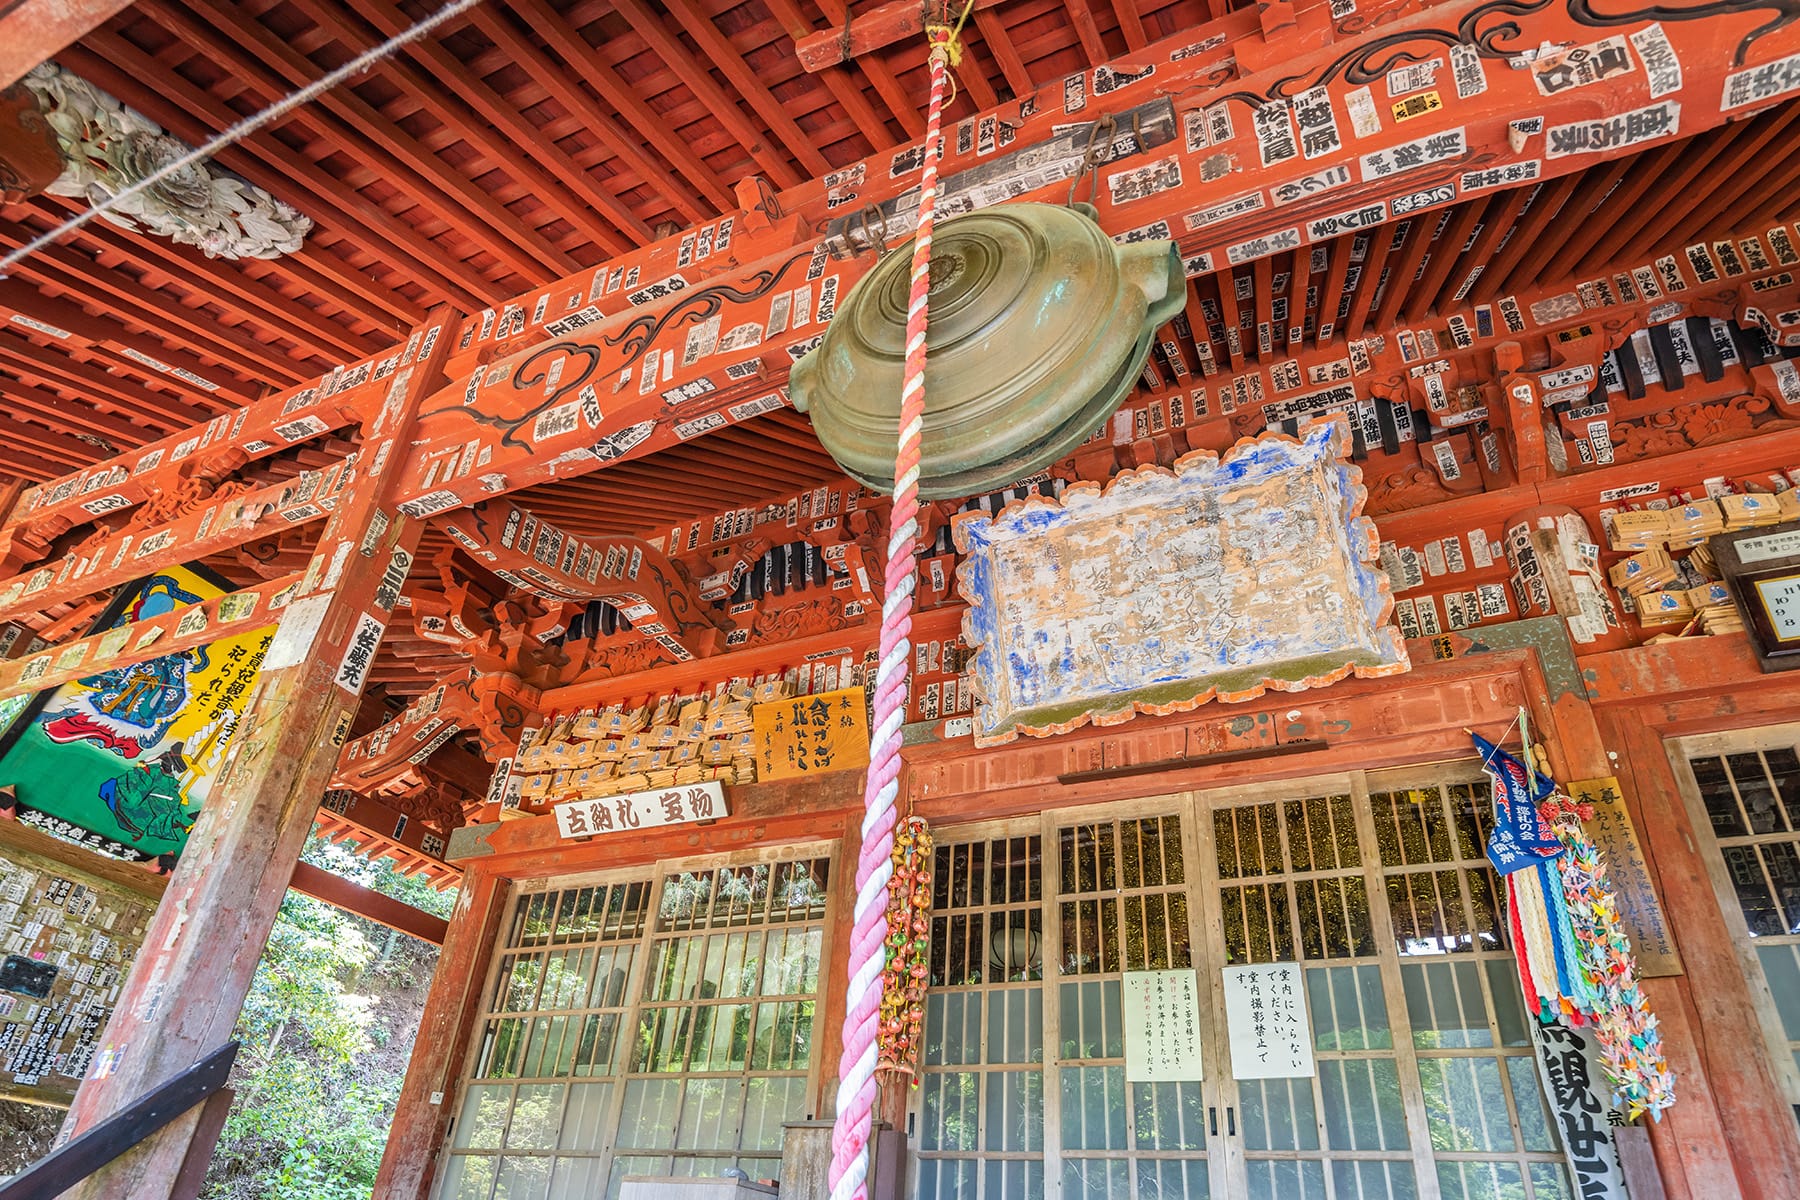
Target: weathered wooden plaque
1616,837
1224,577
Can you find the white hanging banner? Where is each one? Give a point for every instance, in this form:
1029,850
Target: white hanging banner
1162,1025
1265,1010
1579,1098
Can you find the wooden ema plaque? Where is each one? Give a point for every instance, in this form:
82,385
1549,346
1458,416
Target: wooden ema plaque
1616,837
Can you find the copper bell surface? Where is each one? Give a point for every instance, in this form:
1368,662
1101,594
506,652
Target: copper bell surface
1039,327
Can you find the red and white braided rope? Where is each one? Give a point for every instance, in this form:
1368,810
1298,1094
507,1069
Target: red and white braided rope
868,938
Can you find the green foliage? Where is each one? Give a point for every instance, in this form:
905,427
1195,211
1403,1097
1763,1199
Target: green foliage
326,1030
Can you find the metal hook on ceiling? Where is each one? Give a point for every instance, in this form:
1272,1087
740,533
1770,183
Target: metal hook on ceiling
873,235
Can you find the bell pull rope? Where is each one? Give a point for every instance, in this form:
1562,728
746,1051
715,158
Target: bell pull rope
868,938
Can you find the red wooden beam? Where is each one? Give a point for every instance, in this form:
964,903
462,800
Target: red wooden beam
62,369
837,80
1546,258
1403,268
880,76
164,263
1699,161
1653,174
445,1031
876,29
69,268
1368,284
34,31
1131,25
527,429
228,886
1501,215
339,892
363,131
36,304
1445,253
76,416
1325,326
1087,29
1299,276
587,66
457,100
721,52
584,198
993,32
1741,169
973,76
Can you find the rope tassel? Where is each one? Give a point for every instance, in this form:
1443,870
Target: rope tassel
868,938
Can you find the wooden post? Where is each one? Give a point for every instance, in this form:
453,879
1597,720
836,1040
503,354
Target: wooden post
429,1091
182,998
1731,1132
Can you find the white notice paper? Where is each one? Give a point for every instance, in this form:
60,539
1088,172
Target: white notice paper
1265,1010
1162,1026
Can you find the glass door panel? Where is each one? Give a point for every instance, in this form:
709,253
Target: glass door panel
724,1031
1292,887
1378,901
643,1027
1123,904
549,1044
1489,1129
980,1117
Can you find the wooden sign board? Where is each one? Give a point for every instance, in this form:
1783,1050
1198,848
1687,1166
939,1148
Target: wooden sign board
810,735
635,811
1762,567
1617,839
1224,577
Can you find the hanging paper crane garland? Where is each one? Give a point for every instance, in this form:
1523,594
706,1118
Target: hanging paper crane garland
1575,962
1631,1051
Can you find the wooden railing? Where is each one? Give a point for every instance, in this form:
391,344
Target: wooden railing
83,1155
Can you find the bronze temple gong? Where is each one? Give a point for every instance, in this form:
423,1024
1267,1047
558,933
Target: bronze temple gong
1039,327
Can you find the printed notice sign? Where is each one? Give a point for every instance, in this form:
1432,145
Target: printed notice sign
1162,1025
1265,1011
1770,546
642,810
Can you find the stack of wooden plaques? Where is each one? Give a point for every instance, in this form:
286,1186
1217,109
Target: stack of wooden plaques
1682,594
675,740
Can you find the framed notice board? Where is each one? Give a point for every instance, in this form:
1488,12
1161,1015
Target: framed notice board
1762,568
